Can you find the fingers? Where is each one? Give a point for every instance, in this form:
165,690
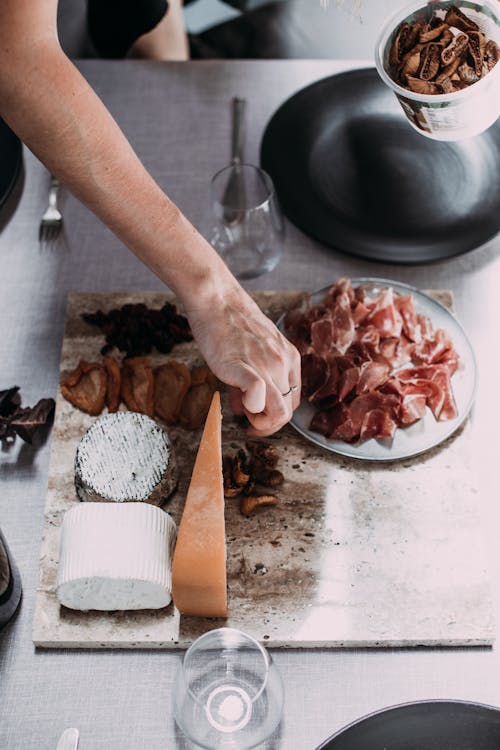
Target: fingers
268,399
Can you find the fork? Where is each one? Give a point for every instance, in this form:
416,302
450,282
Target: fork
52,220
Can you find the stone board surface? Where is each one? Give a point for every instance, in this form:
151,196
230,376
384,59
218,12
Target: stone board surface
357,554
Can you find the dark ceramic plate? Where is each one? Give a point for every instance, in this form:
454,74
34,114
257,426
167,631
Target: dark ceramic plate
10,160
351,172
426,725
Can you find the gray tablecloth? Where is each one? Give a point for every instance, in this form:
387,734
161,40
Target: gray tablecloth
177,118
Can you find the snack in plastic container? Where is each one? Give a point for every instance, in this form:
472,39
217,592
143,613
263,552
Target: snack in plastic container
440,59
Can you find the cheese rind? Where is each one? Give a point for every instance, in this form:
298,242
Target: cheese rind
199,585
125,457
115,557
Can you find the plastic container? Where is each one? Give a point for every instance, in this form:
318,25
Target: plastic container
460,114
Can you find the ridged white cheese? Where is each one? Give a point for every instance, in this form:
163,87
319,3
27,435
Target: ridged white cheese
115,557
125,457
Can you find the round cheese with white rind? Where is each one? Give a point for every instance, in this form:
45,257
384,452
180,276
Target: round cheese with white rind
115,557
125,457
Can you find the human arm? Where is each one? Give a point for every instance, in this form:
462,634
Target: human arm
55,112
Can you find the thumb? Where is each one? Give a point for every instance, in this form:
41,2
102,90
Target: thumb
251,386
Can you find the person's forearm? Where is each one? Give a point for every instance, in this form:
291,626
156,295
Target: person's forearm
60,118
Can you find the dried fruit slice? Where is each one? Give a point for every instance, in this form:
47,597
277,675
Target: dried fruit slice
455,17
171,383
114,383
477,44
137,385
196,403
448,71
455,49
85,387
491,54
467,73
429,33
404,40
430,57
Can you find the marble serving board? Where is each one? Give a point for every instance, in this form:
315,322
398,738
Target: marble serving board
357,554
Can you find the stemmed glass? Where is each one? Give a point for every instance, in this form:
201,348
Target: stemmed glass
228,694
247,228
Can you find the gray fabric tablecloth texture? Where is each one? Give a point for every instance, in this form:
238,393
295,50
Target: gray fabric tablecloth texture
177,118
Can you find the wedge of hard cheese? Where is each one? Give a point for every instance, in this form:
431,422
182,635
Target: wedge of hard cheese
115,556
199,564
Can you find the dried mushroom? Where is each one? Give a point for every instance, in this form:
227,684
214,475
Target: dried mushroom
22,421
85,387
425,57
243,472
250,503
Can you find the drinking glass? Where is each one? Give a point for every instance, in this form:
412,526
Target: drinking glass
247,226
228,694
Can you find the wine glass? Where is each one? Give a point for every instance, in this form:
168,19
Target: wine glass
228,694
247,228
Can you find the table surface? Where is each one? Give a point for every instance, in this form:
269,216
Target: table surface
176,116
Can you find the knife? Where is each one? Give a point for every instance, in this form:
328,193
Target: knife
68,740
234,193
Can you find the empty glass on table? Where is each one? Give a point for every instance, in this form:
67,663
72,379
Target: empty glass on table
247,228
228,692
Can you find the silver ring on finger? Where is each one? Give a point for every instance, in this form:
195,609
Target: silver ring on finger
290,390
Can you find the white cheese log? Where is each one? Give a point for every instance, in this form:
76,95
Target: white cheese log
125,457
115,557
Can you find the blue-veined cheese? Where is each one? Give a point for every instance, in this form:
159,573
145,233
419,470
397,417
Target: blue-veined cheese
125,457
115,557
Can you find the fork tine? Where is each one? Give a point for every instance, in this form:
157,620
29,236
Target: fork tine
51,222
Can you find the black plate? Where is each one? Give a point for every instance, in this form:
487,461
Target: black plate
351,172
10,160
426,725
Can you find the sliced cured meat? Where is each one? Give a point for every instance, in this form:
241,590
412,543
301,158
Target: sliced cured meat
341,287
377,423
371,376
323,338
406,308
360,313
432,349
412,408
384,315
421,372
429,390
348,381
343,323
360,405
314,372
370,336
335,423
371,363
426,327
449,408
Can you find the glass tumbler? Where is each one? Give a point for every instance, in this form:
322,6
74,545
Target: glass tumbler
247,229
228,692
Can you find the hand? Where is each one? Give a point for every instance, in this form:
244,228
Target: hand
245,350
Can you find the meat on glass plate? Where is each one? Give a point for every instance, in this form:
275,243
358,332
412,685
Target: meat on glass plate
387,371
